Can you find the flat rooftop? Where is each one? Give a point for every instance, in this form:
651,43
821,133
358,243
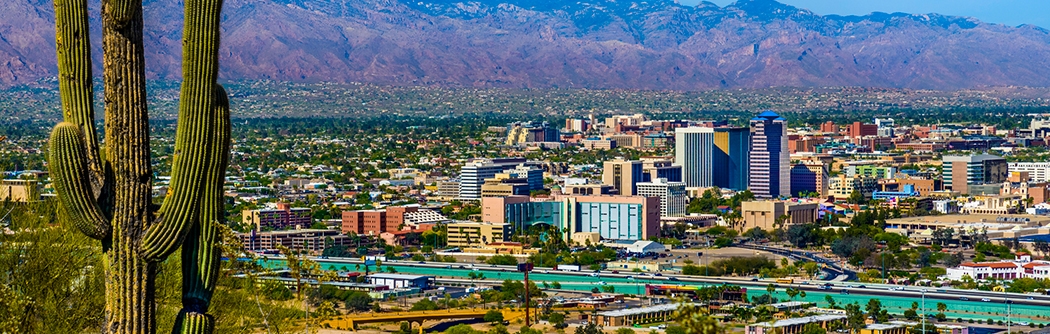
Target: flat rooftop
799,321
968,219
397,276
641,310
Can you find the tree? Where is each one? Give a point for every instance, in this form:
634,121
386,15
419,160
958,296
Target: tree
502,260
802,235
696,320
592,327
813,328
854,317
830,300
109,198
691,270
527,330
942,307
874,309
855,197
756,233
1042,246
493,316
424,305
557,319
358,301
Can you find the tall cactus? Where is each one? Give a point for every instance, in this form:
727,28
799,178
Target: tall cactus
109,197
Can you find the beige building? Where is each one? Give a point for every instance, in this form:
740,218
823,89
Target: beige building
842,187
624,175
764,214
471,234
644,266
586,238
21,191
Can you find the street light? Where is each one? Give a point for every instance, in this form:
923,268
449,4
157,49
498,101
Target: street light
923,311
1006,297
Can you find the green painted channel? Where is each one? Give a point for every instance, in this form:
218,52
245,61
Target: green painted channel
972,309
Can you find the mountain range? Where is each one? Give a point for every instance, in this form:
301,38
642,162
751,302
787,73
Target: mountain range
654,44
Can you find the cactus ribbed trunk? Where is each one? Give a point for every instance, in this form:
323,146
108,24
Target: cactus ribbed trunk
130,278
130,303
110,198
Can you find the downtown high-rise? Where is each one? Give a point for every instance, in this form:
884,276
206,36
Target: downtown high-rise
729,168
694,152
769,164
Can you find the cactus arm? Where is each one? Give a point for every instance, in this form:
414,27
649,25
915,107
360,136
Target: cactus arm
75,80
69,168
200,61
201,252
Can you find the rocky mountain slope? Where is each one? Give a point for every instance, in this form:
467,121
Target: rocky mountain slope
654,44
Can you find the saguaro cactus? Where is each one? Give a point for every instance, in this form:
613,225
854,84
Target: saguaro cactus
109,197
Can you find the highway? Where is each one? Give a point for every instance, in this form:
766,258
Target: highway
837,288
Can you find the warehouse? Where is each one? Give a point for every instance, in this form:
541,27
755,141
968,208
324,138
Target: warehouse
398,281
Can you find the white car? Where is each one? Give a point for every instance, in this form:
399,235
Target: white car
595,274
986,299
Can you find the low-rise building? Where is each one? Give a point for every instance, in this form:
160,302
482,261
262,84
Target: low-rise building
643,266
306,240
598,144
283,217
375,222
472,234
672,196
505,248
842,187
641,315
637,247
613,217
400,281
767,214
794,325
19,191
893,328
908,191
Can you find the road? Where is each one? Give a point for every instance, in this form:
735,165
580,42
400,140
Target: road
840,273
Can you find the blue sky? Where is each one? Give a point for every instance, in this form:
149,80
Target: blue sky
1009,12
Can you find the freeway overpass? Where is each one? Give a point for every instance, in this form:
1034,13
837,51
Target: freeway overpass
415,317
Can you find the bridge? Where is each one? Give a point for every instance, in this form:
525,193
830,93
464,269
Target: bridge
416,317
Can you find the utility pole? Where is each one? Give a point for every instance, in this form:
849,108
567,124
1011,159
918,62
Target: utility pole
526,268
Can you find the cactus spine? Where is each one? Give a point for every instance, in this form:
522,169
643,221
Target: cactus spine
109,197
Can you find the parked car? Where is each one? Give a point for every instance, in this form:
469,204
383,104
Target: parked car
986,299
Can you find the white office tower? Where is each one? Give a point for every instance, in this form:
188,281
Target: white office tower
694,151
672,196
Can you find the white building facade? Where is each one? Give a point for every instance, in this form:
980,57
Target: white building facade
694,151
672,196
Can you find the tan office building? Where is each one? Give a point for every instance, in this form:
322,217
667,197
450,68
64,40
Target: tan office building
763,214
20,191
471,234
